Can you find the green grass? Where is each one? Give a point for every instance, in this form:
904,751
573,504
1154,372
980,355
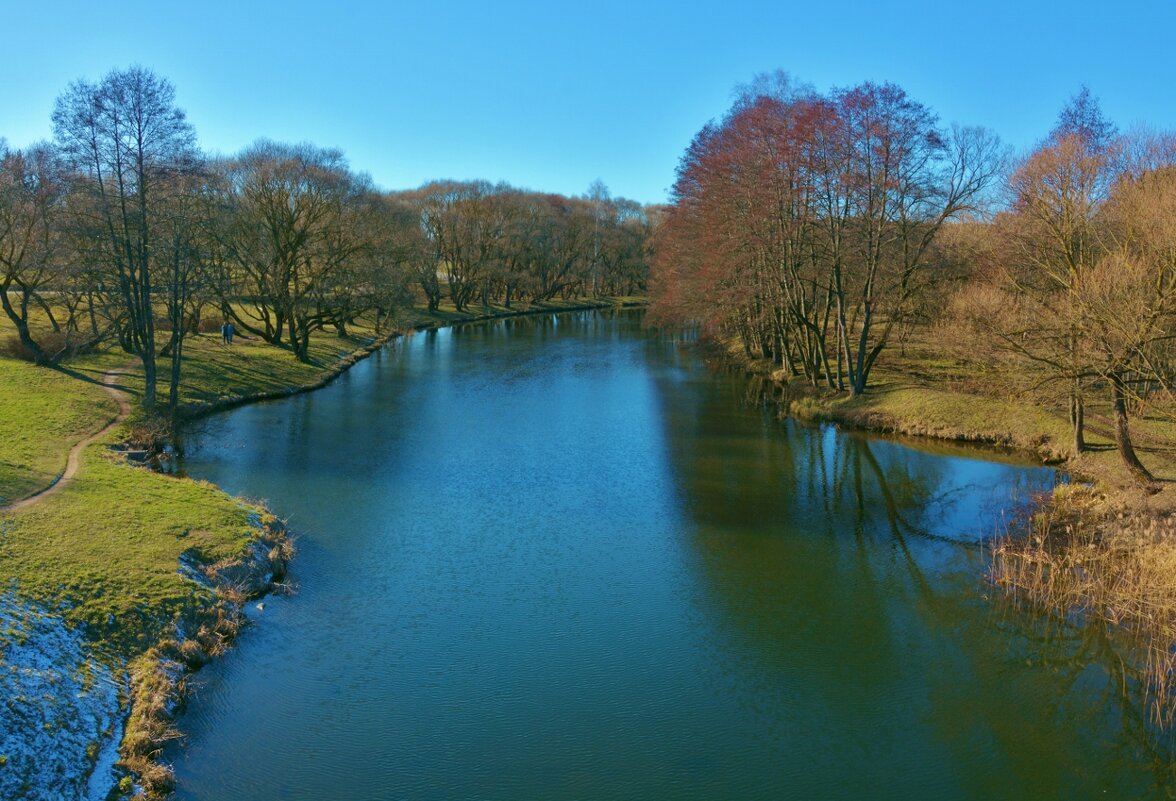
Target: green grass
927,411
214,371
42,414
104,551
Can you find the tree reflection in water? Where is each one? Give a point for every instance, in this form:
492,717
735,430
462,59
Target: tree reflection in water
850,564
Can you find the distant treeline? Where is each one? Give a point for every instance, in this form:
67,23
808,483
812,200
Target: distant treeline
121,228
820,229
497,243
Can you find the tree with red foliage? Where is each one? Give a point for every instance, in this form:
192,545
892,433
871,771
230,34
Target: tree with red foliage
803,223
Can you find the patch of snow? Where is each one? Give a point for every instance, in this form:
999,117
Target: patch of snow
192,570
103,777
59,711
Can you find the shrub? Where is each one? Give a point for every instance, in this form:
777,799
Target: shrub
52,343
151,434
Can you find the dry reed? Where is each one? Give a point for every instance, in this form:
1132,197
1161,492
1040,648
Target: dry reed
1115,568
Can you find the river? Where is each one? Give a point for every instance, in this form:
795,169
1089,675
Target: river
560,557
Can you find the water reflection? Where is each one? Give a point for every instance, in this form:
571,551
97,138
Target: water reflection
1097,689
874,560
737,463
559,558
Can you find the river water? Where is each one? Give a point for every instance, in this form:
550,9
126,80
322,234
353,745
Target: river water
559,557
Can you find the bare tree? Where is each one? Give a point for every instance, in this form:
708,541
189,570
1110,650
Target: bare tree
414,247
289,228
187,266
896,180
805,224
466,227
1053,236
1127,301
601,200
127,142
31,203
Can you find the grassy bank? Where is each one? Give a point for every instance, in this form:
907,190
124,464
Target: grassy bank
43,414
104,553
920,393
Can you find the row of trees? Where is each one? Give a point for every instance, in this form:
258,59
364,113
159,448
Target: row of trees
819,229
121,228
805,224
1074,283
499,244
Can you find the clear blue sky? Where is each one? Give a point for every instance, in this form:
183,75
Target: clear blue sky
550,96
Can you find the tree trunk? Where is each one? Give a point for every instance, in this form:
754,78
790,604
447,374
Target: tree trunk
840,360
93,315
48,313
1078,421
860,370
148,358
1123,433
300,341
22,329
173,397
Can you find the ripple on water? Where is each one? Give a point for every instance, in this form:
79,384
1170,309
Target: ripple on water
564,561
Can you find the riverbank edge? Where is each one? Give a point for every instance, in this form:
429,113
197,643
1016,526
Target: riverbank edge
808,404
1101,549
1115,491
158,677
195,411
819,408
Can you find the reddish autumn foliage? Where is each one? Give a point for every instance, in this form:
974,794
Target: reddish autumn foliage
803,223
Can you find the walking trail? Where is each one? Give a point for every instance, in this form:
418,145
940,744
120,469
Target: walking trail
71,464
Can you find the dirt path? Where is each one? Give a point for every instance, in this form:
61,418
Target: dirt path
71,463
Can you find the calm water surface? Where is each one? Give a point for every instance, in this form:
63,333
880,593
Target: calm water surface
559,558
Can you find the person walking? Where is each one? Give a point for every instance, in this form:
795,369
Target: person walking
227,333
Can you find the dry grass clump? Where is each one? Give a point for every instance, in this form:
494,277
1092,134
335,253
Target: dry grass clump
158,681
149,433
1113,568
158,678
155,683
53,343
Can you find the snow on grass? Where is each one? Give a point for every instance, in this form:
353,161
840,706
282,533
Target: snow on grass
59,710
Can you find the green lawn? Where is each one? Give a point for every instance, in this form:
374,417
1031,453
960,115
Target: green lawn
42,414
104,551
214,371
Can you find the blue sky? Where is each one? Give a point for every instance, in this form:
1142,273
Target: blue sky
550,96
